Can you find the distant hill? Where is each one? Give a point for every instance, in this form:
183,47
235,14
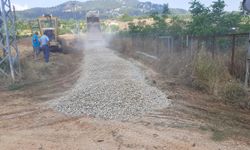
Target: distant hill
107,9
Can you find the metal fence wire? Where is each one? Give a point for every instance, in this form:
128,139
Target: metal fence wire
231,49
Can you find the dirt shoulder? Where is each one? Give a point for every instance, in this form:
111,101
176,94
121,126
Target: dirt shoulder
40,81
194,110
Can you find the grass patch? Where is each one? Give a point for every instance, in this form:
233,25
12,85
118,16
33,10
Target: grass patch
234,92
15,86
218,135
212,76
204,128
209,73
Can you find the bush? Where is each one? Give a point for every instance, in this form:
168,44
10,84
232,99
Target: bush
64,31
233,92
212,76
200,85
126,18
239,64
208,73
15,86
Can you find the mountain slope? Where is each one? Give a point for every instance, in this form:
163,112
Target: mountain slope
107,9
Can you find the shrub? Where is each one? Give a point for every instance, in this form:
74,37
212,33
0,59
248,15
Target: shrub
126,18
64,31
239,64
233,92
212,76
208,73
15,86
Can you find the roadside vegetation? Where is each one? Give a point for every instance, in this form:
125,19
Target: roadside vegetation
202,21
207,73
24,27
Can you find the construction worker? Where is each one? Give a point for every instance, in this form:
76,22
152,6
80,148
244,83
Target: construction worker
36,45
44,40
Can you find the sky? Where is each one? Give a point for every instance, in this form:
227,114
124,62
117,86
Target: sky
231,5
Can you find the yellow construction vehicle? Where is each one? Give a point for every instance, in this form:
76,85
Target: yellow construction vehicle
49,24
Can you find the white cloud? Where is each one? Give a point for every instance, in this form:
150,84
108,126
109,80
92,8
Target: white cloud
21,7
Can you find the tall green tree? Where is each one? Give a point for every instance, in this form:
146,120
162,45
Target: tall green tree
231,23
217,16
201,23
160,26
218,8
177,26
166,10
212,20
197,8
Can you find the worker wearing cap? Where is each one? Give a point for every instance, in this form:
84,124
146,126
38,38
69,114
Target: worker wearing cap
44,40
36,45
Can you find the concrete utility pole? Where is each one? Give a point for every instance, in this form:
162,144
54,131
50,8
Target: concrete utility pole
8,41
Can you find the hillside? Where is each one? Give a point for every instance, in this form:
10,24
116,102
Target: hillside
107,9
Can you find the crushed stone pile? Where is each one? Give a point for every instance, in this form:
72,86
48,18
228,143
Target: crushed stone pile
110,87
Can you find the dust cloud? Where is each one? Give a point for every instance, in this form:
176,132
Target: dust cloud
94,39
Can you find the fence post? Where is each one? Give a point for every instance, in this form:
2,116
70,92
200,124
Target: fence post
247,72
157,48
191,46
198,44
168,43
247,65
171,44
233,54
187,45
143,40
213,47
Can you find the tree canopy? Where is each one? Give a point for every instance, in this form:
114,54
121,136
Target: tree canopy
203,21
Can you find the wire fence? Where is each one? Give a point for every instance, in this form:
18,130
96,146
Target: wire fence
230,49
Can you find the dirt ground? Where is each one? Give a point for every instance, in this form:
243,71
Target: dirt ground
192,122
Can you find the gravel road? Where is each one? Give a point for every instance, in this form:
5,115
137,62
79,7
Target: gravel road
110,87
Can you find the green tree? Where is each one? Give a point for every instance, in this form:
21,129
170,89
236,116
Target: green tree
177,26
244,25
126,18
201,23
23,28
135,28
218,9
197,8
212,20
217,16
230,21
160,25
166,10
205,21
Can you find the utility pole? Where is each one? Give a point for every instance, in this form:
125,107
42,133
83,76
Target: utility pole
77,26
8,42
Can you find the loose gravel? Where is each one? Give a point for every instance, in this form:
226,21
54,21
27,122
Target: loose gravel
110,87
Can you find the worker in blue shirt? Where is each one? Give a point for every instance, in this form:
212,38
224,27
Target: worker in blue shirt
36,45
44,41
